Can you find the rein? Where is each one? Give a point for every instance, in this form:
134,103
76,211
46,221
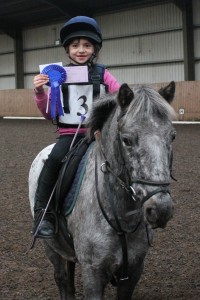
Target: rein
131,192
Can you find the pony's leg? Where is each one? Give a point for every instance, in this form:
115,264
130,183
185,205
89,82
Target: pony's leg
125,291
93,283
63,274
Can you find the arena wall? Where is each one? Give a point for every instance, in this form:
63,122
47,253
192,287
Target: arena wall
20,103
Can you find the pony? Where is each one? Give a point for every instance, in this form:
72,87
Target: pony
124,193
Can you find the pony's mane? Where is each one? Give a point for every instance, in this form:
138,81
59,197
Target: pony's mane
146,103
101,110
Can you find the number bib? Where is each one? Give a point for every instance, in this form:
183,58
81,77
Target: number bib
80,99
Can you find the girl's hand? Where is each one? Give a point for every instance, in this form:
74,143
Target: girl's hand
39,80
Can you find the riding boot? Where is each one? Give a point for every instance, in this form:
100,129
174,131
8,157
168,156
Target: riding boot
47,227
46,183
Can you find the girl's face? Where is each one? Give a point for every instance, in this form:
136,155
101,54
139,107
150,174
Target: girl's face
80,50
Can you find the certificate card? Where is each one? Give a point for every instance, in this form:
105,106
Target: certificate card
77,74
74,73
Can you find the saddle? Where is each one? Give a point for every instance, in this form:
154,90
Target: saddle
67,174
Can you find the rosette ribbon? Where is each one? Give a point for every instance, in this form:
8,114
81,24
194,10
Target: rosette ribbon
57,75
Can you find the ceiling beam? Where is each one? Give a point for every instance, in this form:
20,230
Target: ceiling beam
60,6
9,30
178,3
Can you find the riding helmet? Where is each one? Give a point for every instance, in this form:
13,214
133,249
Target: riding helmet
80,26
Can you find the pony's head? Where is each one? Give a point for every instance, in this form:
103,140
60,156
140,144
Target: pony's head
137,136
146,135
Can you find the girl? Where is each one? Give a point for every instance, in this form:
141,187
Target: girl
81,37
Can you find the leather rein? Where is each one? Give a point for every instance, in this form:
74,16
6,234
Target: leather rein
106,169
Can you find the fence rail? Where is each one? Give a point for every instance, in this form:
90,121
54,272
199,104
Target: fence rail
20,102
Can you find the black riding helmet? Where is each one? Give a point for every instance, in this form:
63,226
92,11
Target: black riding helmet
80,26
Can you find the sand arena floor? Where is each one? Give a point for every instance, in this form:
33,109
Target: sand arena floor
172,266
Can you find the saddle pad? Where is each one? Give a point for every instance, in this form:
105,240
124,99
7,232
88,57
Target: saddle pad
71,197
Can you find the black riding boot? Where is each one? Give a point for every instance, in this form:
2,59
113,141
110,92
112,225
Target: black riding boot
46,183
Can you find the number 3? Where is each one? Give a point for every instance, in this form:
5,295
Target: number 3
84,105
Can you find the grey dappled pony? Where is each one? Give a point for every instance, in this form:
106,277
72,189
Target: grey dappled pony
124,194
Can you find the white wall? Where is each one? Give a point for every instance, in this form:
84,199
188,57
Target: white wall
147,43
7,68
142,45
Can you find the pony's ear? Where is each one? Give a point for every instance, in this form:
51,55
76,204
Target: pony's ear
168,92
125,95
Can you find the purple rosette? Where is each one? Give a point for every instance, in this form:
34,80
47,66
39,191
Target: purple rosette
57,76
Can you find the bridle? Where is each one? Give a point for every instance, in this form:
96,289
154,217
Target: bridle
106,168
162,187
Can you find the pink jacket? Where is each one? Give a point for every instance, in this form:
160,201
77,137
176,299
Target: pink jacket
41,98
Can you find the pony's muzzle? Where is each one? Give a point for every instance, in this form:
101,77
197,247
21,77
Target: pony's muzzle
158,211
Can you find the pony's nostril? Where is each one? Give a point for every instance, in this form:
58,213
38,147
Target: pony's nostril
148,210
161,224
151,214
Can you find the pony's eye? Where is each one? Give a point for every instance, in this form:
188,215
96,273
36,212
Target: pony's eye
126,141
